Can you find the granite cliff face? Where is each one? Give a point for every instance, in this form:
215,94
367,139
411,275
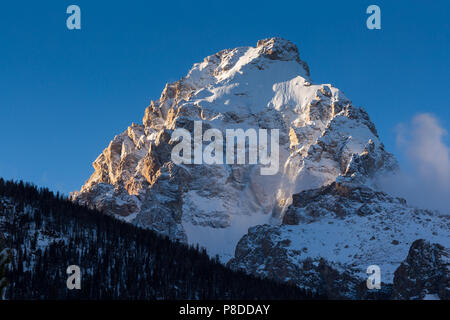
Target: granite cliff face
330,157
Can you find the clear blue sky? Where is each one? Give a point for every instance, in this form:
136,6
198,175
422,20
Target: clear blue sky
65,94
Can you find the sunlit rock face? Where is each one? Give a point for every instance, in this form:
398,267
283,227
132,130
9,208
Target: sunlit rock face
323,140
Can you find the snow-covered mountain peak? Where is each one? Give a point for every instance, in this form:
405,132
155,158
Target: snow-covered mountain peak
322,137
243,71
278,49
226,64
323,140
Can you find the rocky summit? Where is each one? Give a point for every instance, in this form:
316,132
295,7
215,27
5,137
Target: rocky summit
319,222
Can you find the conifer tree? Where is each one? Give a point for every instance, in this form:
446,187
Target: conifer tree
4,262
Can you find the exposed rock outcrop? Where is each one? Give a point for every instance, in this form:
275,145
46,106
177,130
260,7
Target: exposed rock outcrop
331,235
425,273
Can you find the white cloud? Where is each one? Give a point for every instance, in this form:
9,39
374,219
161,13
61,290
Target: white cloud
425,181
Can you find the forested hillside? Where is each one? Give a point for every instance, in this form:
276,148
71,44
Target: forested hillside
45,233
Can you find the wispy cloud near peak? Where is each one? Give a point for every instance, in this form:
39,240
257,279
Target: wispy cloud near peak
425,181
